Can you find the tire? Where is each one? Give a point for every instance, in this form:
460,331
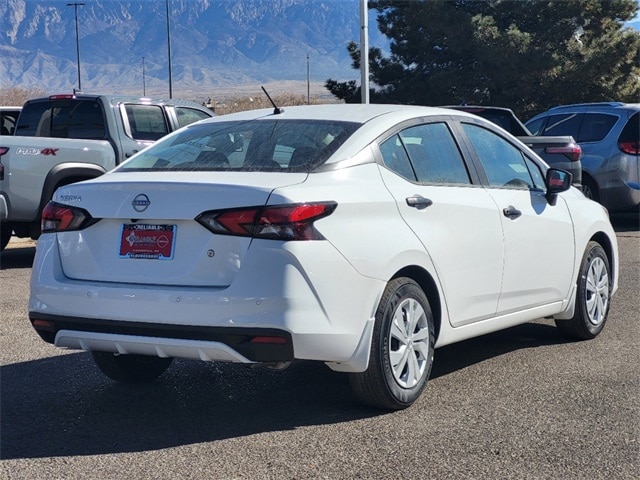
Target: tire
401,349
590,189
5,234
592,296
131,368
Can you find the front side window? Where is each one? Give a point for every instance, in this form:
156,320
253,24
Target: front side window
146,122
503,163
257,145
187,116
563,125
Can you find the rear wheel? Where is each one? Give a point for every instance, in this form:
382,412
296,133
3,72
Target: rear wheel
592,297
131,368
401,349
590,189
5,234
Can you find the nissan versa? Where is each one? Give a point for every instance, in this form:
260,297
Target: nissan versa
362,236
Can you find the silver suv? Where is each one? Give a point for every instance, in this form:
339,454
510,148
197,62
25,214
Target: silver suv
609,134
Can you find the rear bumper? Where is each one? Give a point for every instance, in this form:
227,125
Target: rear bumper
243,345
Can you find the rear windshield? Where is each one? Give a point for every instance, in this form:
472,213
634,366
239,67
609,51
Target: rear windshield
257,145
68,118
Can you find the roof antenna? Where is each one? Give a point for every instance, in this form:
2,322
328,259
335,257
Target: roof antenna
276,110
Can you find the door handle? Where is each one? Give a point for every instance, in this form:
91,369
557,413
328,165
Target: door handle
419,202
511,212
131,153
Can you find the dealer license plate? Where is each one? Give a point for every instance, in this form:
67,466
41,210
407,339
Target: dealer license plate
146,241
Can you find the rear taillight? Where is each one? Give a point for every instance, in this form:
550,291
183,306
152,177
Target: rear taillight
63,218
572,152
631,148
281,222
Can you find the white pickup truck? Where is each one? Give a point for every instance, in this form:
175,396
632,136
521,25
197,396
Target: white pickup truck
64,139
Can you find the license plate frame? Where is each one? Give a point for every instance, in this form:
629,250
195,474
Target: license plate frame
147,241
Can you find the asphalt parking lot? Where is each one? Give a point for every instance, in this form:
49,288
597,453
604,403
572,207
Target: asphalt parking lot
521,403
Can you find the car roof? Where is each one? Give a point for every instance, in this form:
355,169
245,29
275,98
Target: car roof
354,112
597,106
115,99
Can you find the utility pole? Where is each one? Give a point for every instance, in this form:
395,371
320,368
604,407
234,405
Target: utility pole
75,6
308,82
364,51
144,84
169,51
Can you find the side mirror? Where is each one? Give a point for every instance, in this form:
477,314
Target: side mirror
557,181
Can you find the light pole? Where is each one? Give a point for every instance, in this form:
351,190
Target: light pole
169,50
144,85
364,51
75,6
308,82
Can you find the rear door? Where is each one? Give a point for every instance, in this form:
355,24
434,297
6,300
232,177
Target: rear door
457,221
538,237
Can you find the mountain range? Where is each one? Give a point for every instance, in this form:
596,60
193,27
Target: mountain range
216,45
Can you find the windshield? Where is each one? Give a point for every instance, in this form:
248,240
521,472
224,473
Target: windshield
256,145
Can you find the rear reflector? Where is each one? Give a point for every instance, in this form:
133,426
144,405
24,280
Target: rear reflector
276,340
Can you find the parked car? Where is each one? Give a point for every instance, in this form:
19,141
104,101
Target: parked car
63,139
609,134
558,151
362,236
8,119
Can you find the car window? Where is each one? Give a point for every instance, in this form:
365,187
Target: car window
536,174
434,154
187,116
146,122
629,140
595,127
63,119
396,159
8,122
258,145
563,125
503,163
535,126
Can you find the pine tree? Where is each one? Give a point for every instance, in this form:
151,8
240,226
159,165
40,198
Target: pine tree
528,55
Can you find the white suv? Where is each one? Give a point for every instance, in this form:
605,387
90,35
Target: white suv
362,236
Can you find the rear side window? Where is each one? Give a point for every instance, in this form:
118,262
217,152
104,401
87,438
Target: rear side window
595,127
257,145
187,116
434,154
64,118
146,122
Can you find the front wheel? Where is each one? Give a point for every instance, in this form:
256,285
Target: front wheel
592,297
401,349
131,368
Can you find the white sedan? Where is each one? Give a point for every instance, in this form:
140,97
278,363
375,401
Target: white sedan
362,236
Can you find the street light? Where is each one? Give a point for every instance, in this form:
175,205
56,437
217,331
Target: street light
144,84
75,9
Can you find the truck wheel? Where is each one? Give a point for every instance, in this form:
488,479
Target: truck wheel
592,298
401,349
131,368
5,234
